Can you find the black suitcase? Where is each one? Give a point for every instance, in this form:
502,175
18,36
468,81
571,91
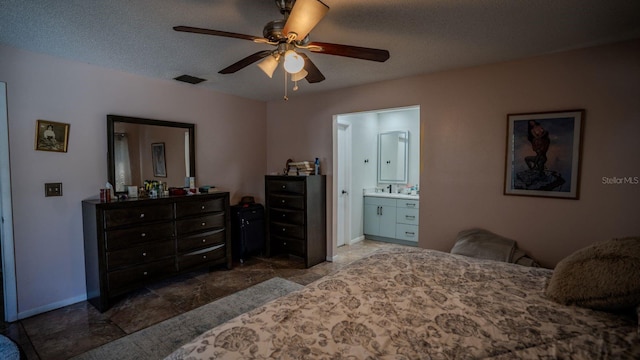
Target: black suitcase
247,230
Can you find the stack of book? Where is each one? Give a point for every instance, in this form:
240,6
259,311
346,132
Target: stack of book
303,168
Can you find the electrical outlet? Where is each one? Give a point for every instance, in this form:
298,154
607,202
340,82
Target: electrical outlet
53,189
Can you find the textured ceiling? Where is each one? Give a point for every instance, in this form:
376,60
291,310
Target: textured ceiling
422,36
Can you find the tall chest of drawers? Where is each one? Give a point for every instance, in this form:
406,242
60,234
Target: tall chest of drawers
296,217
130,243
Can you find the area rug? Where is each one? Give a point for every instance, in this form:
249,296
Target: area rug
160,340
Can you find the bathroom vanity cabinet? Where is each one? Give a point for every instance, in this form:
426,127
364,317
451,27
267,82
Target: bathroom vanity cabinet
391,218
129,243
380,216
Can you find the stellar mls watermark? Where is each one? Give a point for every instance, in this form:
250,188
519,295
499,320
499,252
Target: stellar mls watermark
623,180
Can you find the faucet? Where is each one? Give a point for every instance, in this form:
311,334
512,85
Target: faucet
389,188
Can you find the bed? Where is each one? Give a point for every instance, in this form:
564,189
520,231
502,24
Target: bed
410,303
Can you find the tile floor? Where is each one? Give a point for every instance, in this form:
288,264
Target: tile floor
74,329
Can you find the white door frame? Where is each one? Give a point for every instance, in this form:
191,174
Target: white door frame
344,172
6,228
336,192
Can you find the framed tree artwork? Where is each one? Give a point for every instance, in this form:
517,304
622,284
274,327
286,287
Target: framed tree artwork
543,154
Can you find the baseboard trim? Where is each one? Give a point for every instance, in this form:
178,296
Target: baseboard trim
356,240
52,306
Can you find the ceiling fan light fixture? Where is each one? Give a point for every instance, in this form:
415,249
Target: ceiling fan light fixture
299,75
269,65
293,62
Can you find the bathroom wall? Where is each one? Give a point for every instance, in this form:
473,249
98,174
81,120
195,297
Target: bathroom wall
405,120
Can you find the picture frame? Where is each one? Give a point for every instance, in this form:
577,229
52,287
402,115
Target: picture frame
543,154
158,160
52,136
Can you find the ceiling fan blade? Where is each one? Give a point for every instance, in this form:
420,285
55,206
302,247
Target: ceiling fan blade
305,15
196,30
356,52
314,75
245,62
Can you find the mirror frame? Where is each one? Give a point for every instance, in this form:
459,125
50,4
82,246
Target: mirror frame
405,178
111,119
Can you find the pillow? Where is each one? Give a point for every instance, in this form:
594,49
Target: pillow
483,244
603,276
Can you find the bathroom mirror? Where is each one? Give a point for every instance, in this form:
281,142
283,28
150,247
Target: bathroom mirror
146,149
393,154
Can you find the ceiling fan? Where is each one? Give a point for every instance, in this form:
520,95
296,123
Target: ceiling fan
287,35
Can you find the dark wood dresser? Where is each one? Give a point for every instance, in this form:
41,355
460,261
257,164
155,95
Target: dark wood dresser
130,243
296,217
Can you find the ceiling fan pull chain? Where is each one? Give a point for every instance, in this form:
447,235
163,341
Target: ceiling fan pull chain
285,86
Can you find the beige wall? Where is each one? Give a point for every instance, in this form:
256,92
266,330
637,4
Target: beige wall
463,132
463,126
48,237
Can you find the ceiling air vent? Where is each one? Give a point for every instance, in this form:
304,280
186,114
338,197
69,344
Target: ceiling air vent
190,79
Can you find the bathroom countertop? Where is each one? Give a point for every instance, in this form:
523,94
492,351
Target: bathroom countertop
393,195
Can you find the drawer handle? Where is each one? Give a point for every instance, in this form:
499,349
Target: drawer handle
284,243
410,233
204,240
204,256
284,186
141,215
202,207
144,273
283,229
283,201
410,217
284,215
143,234
411,205
203,224
144,254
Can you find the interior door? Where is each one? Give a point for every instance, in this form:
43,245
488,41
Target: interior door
344,176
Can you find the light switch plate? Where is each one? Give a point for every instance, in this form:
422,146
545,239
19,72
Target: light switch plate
53,189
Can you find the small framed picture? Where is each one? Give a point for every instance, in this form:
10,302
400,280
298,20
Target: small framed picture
52,136
543,154
158,160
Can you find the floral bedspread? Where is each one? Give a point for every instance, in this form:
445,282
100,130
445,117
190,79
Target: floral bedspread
407,303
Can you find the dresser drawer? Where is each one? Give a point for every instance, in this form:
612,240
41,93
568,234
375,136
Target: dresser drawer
139,254
190,208
122,280
140,214
287,230
199,224
407,216
198,241
282,201
287,216
203,256
126,238
407,232
285,186
287,245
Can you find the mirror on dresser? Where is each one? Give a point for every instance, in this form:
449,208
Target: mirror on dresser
393,147
146,149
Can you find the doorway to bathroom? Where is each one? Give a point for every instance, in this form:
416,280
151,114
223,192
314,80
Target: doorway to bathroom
356,166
